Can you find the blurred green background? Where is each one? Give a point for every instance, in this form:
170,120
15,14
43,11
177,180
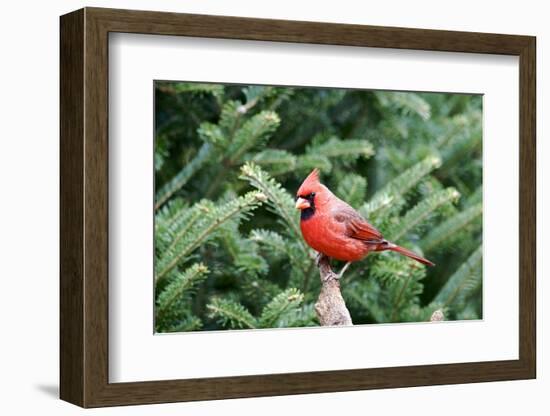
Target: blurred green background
228,161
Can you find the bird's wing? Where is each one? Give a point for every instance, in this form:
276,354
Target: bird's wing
356,226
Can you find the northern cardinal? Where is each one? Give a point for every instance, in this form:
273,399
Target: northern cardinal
333,228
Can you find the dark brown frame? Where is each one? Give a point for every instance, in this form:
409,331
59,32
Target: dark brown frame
84,207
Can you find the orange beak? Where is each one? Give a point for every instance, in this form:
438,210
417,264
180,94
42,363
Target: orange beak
302,203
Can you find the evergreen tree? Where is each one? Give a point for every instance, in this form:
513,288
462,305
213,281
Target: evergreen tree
228,160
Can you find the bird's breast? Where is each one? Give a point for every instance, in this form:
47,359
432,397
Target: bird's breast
328,236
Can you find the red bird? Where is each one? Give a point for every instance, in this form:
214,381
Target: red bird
333,228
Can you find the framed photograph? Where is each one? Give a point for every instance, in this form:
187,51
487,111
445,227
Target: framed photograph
254,207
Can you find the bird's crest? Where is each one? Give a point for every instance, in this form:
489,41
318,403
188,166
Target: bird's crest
310,184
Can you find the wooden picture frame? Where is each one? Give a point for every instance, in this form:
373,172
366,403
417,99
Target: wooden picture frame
84,207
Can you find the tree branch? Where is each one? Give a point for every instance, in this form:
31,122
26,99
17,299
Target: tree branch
330,306
437,316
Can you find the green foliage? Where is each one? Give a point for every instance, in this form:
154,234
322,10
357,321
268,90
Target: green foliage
389,198
197,88
352,188
452,226
231,314
419,214
228,160
183,175
280,201
462,284
283,305
186,240
405,103
252,134
345,150
175,297
282,205
282,311
277,161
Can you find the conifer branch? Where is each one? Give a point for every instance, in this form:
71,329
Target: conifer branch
397,303
181,178
344,150
284,303
257,93
277,197
406,101
231,313
204,228
191,87
253,133
170,213
212,134
278,244
191,323
450,227
180,225
230,118
464,136
367,296
395,287
275,161
475,197
181,284
353,189
389,268
310,161
463,281
299,317
422,211
248,264
400,185
274,241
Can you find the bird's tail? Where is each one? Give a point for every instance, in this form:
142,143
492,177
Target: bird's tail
409,253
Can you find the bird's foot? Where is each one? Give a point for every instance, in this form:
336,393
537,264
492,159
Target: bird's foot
318,259
339,275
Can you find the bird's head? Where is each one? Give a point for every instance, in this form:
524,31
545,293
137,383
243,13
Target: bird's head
309,191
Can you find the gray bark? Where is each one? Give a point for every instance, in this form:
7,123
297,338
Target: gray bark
330,307
437,316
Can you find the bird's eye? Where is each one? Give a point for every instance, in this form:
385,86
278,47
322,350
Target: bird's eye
311,195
